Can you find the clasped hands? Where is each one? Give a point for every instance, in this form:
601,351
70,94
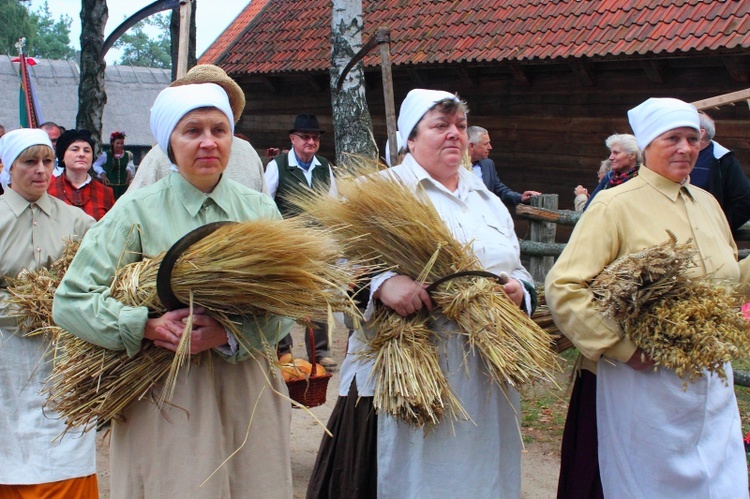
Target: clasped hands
167,330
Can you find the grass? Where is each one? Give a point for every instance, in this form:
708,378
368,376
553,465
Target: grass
544,406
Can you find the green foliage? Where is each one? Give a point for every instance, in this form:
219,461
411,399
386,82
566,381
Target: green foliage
15,23
139,49
52,40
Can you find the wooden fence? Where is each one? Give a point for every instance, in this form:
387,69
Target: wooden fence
541,249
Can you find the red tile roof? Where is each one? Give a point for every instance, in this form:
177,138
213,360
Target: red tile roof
235,29
293,35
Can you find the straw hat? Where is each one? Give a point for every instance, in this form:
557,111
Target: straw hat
208,73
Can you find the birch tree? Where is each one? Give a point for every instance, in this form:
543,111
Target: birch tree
352,124
91,93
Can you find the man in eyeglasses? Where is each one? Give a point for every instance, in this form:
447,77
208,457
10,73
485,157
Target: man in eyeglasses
299,169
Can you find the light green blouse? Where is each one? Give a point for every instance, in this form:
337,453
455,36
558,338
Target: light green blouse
144,223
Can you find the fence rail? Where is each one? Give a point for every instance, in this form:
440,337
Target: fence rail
543,217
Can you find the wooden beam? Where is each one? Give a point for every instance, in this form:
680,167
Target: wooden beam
582,73
722,100
519,75
653,70
560,217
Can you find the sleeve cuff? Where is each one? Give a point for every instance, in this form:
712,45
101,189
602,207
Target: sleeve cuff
622,350
132,325
376,282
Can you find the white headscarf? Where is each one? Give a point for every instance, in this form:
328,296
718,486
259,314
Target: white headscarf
415,105
658,115
173,103
12,144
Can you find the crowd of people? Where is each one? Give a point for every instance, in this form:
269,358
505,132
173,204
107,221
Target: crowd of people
631,430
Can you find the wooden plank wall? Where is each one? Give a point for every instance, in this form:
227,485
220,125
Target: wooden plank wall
547,133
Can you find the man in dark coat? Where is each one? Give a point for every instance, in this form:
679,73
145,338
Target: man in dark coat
719,172
484,168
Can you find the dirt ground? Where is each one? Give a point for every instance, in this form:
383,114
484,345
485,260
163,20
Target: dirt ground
539,463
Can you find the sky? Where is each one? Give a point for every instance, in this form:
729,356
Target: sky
212,17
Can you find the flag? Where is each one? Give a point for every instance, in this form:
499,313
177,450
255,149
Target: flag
28,106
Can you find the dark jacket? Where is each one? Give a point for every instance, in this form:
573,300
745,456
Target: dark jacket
492,181
730,186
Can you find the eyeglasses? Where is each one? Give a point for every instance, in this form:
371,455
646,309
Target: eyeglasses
306,136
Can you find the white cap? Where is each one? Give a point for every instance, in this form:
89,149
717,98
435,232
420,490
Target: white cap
12,144
658,115
173,103
415,105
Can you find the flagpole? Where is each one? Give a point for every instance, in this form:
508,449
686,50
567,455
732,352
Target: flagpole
25,86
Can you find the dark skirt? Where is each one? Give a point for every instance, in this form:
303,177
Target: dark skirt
579,460
346,466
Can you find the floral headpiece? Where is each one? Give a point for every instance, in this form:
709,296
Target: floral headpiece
116,135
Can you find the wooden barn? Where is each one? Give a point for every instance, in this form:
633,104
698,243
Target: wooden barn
550,79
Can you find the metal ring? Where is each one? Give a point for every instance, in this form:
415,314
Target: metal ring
466,273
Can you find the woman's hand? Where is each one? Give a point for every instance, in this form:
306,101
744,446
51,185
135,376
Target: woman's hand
167,330
103,178
640,361
514,290
404,295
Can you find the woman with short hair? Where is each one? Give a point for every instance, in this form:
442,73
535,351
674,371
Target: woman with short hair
657,437
376,454
75,152
37,460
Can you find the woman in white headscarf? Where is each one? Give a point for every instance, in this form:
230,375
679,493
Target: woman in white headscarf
656,438
34,461
171,452
375,454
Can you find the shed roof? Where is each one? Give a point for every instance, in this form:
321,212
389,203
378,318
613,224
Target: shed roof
293,35
130,93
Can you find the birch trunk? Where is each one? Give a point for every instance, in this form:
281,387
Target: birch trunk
352,125
92,95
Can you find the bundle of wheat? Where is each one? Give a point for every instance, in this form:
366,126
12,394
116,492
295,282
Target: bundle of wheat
32,292
256,268
389,225
685,323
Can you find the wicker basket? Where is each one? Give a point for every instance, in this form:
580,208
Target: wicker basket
310,392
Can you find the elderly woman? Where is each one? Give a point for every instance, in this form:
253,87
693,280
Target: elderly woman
75,151
375,453
172,451
656,438
625,159
35,462
116,168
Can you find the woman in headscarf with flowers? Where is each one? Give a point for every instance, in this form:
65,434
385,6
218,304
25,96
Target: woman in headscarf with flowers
116,169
